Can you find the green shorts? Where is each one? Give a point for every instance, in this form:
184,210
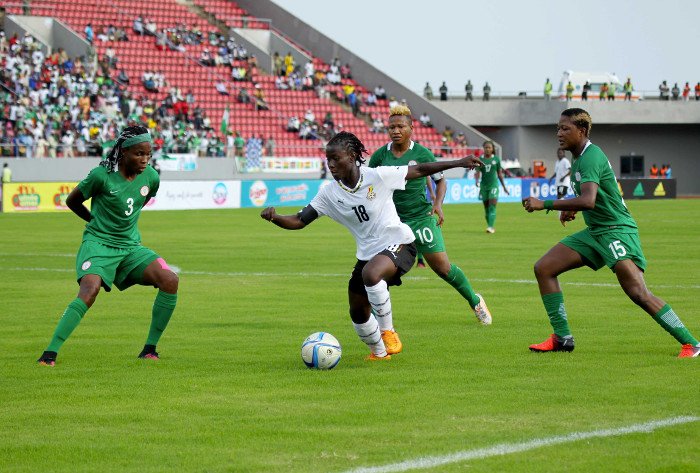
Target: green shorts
607,249
428,235
488,193
122,267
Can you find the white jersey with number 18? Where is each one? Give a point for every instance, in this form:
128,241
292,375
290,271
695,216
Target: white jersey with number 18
367,210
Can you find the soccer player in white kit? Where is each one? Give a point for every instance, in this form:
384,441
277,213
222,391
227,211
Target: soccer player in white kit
562,172
361,200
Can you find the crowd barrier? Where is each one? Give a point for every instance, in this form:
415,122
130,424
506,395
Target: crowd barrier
233,194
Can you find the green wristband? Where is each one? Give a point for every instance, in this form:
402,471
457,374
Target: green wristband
549,204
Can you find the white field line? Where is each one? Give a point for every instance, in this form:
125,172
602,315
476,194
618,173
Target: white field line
235,274
508,448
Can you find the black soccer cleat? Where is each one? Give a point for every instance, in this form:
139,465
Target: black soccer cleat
554,343
48,358
149,353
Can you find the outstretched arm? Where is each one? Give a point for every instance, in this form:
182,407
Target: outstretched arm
586,201
426,169
288,222
75,201
503,183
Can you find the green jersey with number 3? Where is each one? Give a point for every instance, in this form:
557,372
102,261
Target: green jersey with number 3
489,171
610,212
410,203
116,205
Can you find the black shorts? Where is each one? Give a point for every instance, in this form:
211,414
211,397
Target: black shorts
403,259
562,191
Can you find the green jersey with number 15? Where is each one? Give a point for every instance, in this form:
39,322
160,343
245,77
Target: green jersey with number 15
610,211
116,205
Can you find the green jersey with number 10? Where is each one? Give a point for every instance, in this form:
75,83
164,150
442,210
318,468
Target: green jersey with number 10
610,211
116,205
412,202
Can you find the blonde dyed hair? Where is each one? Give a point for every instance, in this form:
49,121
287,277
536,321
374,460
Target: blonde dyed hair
580,118
400,110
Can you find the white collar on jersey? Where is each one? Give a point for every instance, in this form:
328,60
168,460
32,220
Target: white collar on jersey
388,145
588,143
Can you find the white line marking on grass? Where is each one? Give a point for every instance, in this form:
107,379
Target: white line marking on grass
236,274
508,448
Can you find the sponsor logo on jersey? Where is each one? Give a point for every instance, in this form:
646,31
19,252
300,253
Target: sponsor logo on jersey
113,191
86,265
578,176
370,193
144,191
412,163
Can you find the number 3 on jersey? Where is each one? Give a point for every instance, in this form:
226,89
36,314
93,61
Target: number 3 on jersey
130,204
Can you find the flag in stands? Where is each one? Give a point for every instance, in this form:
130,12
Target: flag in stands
224,122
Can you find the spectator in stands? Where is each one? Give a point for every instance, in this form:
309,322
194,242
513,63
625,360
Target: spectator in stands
675,91
654,171
309,116
468,90
122,77
238,73
259,95
221,88
461,140
428,91
425,120
288,64
205,58
393,102
662,171
293,124
280,83
487,92
305,131
239,145
89,33
569,91
669,173
345,71
612,89
548,89
603,92
697,91
443,92
277,63
378,125
309,69
138,26
663,91
628,88
585,90
379,92
148,81
371,99
243,96
67,142
328,120
686,91
270,146
150,27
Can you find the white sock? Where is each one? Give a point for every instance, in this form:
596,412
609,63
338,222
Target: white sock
369,333
380,300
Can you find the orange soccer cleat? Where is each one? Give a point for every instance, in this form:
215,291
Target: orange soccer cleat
689,351
373,357
555,343
392,342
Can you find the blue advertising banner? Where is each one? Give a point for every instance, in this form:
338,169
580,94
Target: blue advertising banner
464,191
275,193
542,189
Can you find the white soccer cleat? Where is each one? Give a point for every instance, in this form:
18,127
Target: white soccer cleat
490,230
482,312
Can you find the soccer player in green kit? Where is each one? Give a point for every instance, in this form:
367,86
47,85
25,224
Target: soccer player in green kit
415,211
610,239
491,172
111,251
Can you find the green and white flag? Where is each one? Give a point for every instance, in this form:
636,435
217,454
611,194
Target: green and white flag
224,122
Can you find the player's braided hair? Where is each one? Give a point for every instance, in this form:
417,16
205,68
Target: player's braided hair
580,118
349,143
112,159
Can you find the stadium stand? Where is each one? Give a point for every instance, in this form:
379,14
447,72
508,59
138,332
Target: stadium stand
179,39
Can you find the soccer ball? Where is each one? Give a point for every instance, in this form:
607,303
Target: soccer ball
321,351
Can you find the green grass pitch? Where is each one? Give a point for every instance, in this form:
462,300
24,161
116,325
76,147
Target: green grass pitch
231,393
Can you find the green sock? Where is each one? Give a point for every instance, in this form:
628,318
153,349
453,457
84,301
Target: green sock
554,305
491,215
459,281
163,308
71,318
668,319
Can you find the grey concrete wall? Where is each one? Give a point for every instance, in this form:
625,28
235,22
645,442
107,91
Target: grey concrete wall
363,72
540,112
61,169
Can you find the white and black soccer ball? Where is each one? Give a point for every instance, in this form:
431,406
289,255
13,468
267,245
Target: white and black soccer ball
321,351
